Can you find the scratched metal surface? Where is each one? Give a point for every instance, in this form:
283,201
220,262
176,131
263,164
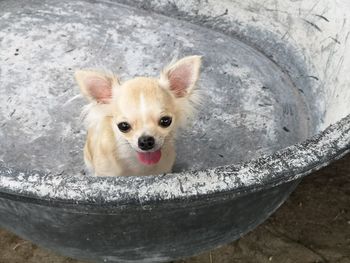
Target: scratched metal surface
299,48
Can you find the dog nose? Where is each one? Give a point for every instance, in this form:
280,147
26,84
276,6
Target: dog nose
146,142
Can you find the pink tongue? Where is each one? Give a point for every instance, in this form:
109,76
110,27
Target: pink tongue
149,157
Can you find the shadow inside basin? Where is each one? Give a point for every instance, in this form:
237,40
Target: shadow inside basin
250,106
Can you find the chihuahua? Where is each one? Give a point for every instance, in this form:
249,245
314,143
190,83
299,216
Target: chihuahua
132,125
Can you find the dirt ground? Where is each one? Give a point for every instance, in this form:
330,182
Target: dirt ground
312,226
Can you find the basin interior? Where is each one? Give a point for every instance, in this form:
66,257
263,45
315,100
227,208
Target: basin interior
250,106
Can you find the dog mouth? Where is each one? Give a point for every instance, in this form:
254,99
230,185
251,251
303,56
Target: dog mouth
149,158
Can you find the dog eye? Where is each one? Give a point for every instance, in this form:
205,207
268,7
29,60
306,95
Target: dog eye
165,121
124,126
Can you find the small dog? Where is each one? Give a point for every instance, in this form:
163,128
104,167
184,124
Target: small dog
132,126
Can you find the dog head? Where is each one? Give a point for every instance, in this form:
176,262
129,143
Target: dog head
146,112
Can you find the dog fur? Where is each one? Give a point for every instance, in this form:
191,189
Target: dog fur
141,103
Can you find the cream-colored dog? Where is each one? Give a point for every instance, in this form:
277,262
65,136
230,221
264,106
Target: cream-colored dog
132,126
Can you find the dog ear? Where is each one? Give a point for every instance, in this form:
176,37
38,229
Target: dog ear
96,86
180,77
